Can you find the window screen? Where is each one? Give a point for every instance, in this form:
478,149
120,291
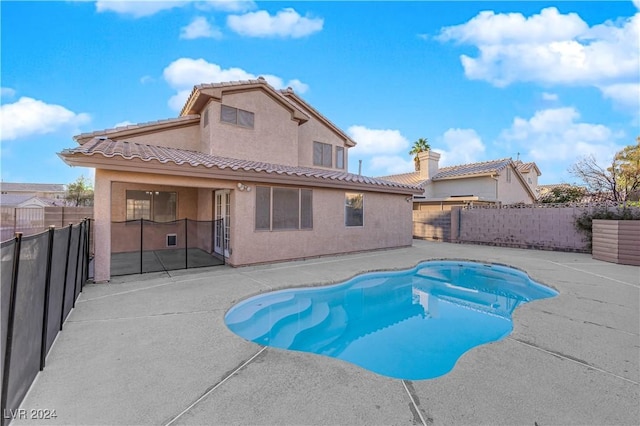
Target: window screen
306,209
229,114
339,157
322,154
158,206
285,208
263,208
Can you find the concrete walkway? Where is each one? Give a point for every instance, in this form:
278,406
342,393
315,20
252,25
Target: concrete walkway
154,349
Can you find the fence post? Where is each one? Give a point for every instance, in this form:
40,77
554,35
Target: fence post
141,242
75,280
186,243
47,294
88,248
66,275
11,320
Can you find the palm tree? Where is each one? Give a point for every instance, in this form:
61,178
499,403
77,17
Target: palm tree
421,145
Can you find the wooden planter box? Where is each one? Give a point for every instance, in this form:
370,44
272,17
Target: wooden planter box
617,241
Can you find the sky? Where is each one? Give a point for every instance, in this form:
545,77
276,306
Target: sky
549,82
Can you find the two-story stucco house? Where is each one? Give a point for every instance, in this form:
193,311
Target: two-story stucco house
262,160
502,181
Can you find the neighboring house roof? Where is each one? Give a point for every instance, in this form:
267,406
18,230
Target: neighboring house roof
15,200
31,187
453,172
462,171
101,153
151,126
527,167
472,169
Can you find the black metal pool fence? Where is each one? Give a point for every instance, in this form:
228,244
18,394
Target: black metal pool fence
140,246
42,276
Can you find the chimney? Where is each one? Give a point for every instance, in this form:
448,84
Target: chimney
428,164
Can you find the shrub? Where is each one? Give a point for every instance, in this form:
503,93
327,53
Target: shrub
584,222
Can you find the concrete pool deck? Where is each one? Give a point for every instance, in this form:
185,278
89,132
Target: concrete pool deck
154,349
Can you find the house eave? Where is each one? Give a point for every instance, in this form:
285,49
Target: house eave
137,165
140,130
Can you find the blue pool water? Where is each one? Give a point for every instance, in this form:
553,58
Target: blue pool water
411,324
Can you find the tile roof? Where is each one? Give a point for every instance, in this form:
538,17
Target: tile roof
15,200
460,171
131,150
472,169
32,187
412,178
135,126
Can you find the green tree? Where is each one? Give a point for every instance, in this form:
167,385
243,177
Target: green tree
421,145
80,192
621,180
563,194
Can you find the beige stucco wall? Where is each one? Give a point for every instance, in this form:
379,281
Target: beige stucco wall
188,199
513,192
483,187
182,138
274,136
315,131
387,223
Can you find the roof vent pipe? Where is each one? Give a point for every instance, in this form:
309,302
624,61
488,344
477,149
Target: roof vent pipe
359,167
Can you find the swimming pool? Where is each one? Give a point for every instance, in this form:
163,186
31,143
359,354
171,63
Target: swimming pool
412,324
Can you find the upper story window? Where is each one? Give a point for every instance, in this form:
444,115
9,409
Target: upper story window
158,206
339,157
236,116
508,175
322,153
205,119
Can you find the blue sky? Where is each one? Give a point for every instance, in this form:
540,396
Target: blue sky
552,81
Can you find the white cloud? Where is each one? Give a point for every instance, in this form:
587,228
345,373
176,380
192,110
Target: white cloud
549,96
626,95
30,116
182,74
556,139
137,8
199,28
377,141
7,92
142,8
549,48
146,79
389,165
286,23
462,146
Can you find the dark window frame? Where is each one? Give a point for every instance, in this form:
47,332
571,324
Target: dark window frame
265,209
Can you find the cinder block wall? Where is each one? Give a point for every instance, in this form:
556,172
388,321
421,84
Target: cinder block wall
432,225
537,228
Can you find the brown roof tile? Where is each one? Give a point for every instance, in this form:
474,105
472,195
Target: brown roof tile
471,169
130,150
134,126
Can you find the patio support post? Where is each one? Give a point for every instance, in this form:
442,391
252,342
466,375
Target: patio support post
186,243
141,242
66,275
10,323
47,294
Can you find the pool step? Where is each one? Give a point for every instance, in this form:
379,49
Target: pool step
260,323
288,328
317,338
244,313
